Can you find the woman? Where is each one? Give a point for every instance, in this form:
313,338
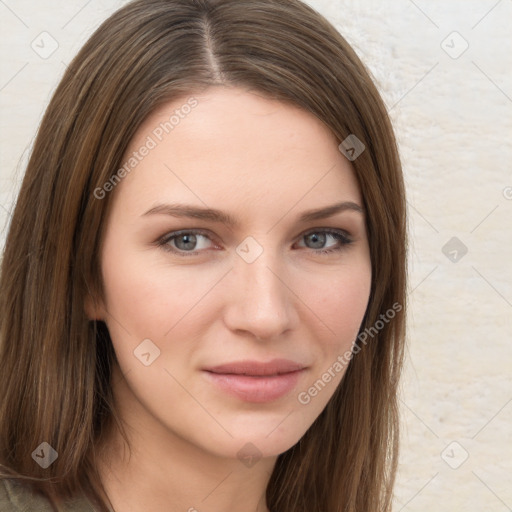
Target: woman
257,371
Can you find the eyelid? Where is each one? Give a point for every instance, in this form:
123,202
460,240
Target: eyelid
327,230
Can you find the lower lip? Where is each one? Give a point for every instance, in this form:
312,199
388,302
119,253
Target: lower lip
256,389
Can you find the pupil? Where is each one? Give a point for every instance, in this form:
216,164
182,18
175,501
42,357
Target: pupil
319,240
186,241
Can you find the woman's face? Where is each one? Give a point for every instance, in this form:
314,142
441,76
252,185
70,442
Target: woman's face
208,262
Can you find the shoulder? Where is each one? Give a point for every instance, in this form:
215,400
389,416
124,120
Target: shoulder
15,497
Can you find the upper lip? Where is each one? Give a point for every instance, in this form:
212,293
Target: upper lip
256,368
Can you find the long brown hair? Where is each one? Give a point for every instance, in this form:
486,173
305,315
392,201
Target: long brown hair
56,364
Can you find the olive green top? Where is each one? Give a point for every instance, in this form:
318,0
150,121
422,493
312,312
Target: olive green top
14,497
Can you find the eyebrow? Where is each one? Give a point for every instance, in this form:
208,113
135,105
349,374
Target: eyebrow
211,214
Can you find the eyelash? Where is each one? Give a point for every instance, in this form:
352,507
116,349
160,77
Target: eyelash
339,235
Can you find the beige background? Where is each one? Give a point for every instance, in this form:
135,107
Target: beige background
453,115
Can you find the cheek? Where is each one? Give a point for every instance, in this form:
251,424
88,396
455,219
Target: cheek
149,297
339,301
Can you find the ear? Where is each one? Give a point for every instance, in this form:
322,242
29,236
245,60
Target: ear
93,307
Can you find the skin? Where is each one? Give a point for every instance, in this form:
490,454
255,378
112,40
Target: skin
264,162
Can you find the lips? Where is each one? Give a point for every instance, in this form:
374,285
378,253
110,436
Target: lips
257,369
254,381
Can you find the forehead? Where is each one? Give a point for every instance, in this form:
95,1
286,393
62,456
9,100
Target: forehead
228,146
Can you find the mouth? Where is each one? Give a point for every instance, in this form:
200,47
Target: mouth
254,381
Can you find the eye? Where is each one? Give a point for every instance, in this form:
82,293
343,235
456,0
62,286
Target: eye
319,237
184,243
191,242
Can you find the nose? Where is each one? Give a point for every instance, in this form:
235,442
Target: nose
261,301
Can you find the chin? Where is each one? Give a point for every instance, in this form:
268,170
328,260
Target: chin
266,434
